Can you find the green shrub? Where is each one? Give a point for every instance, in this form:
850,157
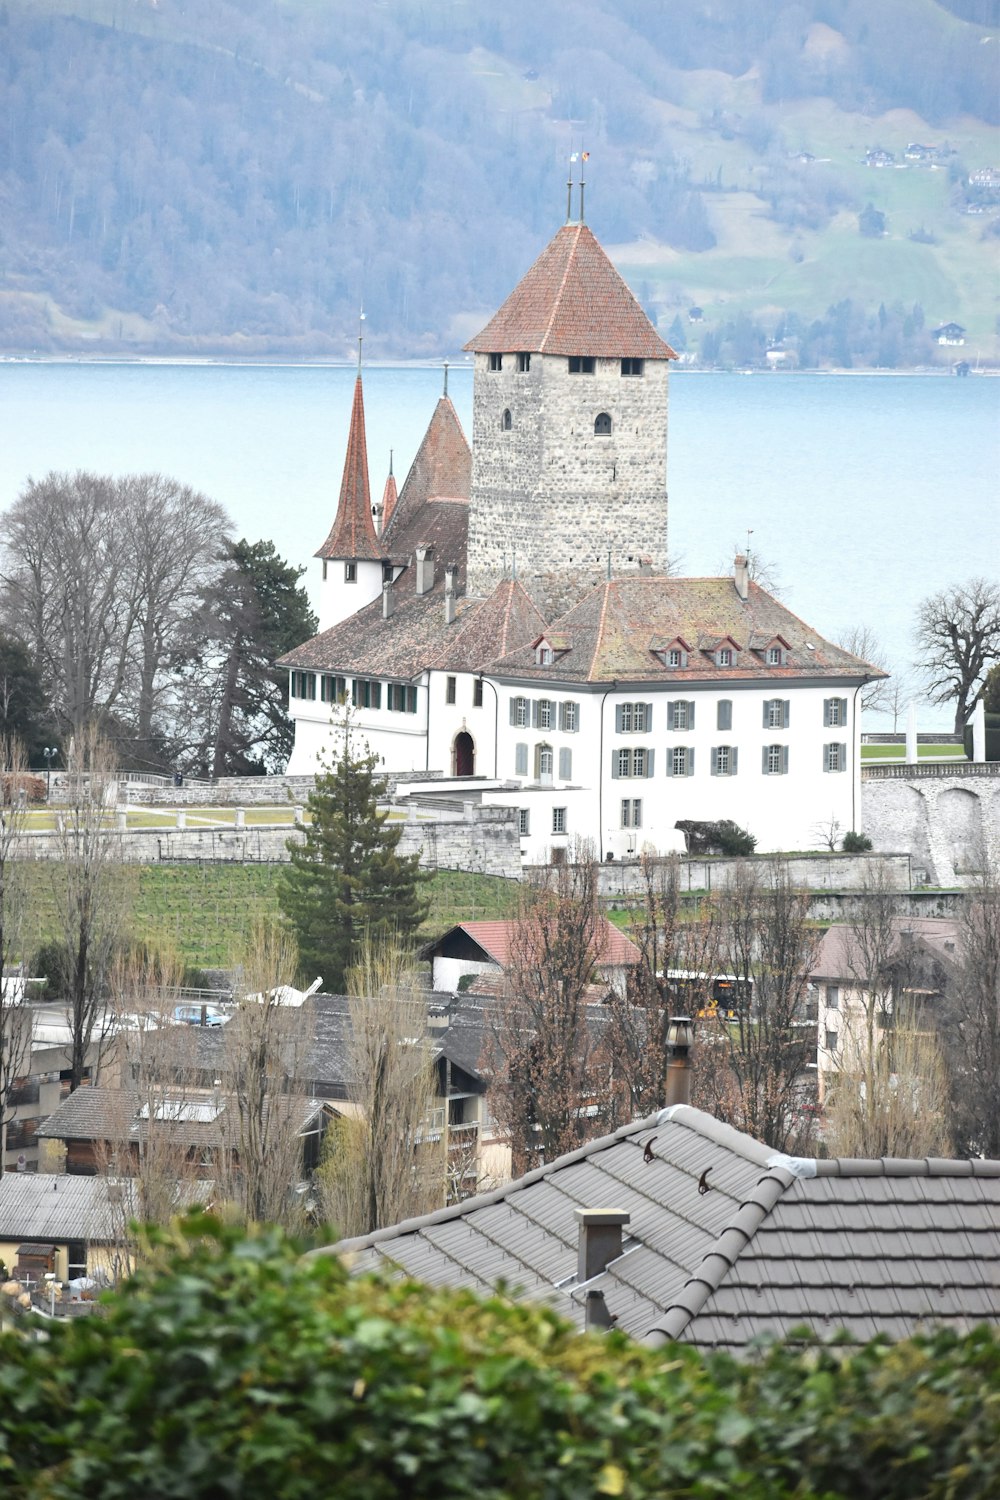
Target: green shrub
855,843
230,1366
732,839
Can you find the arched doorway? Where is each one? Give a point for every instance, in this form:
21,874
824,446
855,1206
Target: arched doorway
463,755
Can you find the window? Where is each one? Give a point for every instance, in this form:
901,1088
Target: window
724,714
496,362
569,717
450,690
506,421
774,761
631,812
366,694
303,685
632,366
831,1041
332,689
602,425
680,761
523,363
724,759
633,718
834,757
631,763
545,715
544,762
776,713
350,572
676,657
565,765
680,714
543,656
558,820
519,712
724,657
402,699
834,711
833,997
581,364
324,570
523,822
387,572
775,656
520,760
477,693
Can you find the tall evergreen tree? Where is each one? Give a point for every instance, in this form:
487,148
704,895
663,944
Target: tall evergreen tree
346,884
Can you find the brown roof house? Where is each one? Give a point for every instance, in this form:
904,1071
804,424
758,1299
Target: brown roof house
485,948
678,1227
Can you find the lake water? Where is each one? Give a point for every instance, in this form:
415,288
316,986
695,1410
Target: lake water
864,494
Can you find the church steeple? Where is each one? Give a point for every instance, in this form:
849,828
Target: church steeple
352,535
389,498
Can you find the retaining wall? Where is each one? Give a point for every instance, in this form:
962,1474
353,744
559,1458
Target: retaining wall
949,820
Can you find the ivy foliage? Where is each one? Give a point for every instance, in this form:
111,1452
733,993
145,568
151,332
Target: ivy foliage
231,1366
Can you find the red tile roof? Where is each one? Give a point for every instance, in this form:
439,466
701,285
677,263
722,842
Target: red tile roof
353,532
442,469
572,301
389,499
497,938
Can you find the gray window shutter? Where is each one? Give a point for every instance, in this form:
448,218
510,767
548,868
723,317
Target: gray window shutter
614,765
671,716
733,755
521,760
534,713
725,714
513,710
670,761
618,718
565,765
767,710
649,762
843,757
763,759
649,716
786,713
690,762
826,711
826,757
715,762
784,760
843,710
690,715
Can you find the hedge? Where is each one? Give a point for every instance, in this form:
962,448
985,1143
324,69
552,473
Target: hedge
231,1366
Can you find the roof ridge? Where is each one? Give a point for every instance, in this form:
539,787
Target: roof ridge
557,299
600,629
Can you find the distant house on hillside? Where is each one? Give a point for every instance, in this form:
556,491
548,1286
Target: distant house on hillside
486,948
878,157
949,333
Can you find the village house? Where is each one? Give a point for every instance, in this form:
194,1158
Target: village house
506,624
473,949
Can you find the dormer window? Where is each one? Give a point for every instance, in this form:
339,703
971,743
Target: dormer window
724,657
602,425
496,363
775,656
632,366
548,648
675,658
582,364
671,653
523,363
506,421
544,656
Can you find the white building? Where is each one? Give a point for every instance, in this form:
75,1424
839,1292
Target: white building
601,698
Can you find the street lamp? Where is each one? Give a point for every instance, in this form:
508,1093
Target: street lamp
49,752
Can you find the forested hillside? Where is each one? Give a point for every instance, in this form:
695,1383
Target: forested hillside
238,176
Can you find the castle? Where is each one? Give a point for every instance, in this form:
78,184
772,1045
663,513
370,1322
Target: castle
507,620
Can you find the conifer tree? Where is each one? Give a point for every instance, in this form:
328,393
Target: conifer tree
346,884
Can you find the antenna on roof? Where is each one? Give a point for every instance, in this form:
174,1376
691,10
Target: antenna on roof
513,565
584,156
445,377
361,337
390,463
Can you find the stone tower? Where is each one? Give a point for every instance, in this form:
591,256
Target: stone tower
569,430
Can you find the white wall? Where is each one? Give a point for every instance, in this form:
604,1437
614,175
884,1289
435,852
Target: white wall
338,599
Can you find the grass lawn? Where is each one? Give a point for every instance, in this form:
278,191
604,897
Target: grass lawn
924,752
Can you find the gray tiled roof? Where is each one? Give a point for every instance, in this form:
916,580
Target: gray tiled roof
52,1207
774,1243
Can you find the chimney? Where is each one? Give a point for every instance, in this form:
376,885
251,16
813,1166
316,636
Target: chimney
449,595
678,1081
425,570
600,1239
388,602
596,1313
741,575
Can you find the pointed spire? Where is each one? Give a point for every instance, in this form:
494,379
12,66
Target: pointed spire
353,532
389,496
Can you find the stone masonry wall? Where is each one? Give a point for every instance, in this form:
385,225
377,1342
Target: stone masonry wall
947,820
551,491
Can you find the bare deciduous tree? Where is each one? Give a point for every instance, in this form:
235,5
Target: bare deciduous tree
549,1091
261,1160
750,1069
891,1100
861,641
971,1024
15,1017
383,1160
958,633
91,888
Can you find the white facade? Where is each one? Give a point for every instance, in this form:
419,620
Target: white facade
348,585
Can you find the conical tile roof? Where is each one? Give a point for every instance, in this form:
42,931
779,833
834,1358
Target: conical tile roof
572,301
442,469
389,499
353,532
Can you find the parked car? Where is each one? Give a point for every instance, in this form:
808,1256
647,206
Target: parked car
200,1015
